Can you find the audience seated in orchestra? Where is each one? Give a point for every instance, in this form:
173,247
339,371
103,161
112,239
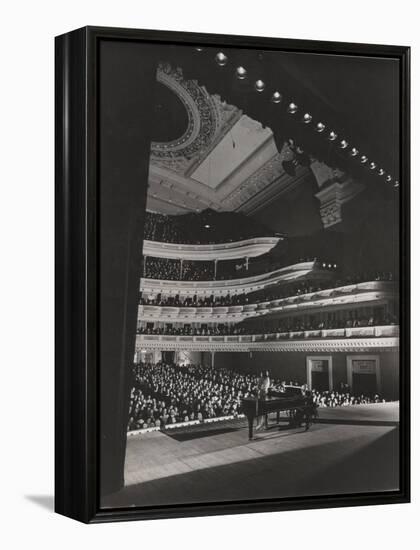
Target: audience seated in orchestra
343,398
165,394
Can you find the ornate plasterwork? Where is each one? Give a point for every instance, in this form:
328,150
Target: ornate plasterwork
312,346
325,175
260,179
333,197
336,188
208,115
271,171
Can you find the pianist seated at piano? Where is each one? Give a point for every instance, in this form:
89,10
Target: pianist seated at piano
263,389
264,385
296,400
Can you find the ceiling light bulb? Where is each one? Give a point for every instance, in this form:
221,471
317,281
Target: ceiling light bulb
354,152
307,118
241,73
221,59
363,159
292,108
332,136
343,144
320,127
276,97
259,86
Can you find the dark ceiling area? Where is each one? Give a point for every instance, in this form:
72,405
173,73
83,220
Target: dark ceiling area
170,120
363,96
357,97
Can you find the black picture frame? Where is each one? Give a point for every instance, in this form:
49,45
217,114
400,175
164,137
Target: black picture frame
78,271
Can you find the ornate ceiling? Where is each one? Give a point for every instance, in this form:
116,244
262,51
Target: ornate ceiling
223,160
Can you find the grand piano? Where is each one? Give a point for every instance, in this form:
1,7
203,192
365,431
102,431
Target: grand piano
300,407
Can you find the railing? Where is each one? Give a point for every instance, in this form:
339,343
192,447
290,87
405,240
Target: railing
222,251
222,287
386,331
376,292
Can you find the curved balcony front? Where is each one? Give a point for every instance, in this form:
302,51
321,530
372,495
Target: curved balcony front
243,284
356,295
247,248
384,338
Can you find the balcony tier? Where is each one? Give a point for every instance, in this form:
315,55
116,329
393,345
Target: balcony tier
384,338
223,287
369,293
222,251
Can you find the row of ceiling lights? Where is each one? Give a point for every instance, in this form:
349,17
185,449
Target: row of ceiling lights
259,85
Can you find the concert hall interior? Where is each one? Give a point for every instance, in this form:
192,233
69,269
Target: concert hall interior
269,243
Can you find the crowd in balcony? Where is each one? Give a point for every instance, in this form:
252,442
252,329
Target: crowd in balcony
194,301
351,319
285,327
280,291
205,270
222,329
162,268
174,270
207,227
165,394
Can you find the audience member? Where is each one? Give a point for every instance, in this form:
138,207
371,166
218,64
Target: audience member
165,394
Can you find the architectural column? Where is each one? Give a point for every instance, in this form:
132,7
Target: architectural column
215,269
336,188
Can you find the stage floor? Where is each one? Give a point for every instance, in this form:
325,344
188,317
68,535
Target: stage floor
350,449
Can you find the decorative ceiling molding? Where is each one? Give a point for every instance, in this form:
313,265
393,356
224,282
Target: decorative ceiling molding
208,119
325,175
336,188
196,171
332,199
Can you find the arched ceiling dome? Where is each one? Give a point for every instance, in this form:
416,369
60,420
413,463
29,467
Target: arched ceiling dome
207,153
189,120
171,119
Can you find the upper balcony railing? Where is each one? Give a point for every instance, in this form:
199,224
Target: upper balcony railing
328,299
203,228
245,283
237,250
